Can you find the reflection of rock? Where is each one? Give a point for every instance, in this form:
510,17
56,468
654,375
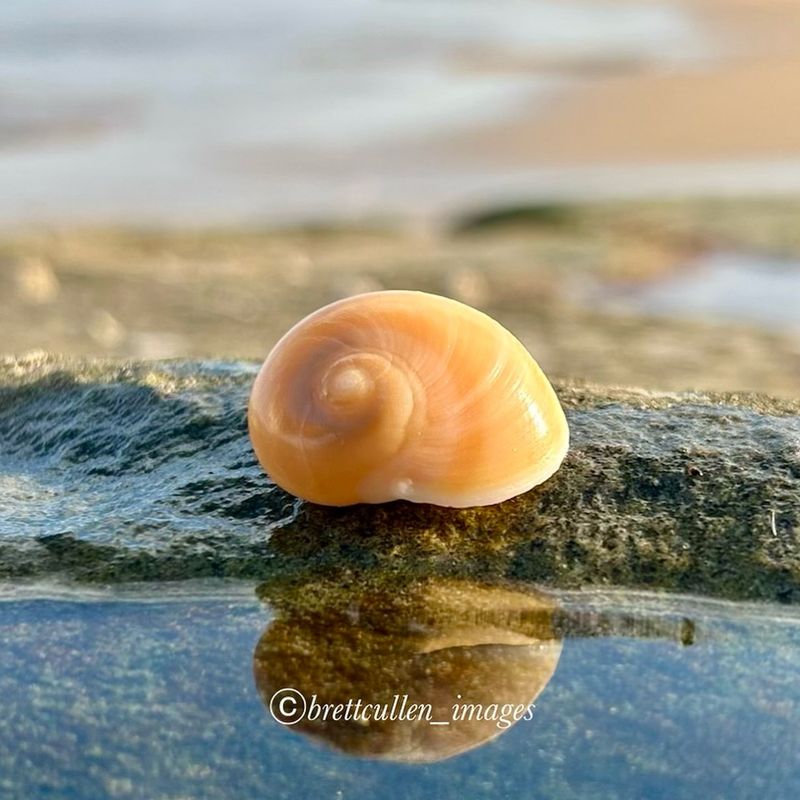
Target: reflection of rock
442,643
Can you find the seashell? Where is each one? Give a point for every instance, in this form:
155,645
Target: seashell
404,395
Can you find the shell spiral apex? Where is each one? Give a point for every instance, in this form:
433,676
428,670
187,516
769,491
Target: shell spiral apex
404,395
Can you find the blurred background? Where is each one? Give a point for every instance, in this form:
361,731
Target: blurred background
617,181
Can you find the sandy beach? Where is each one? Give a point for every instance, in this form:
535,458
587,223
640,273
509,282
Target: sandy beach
742,106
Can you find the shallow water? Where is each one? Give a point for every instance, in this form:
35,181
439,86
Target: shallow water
181,110
746,287
111,471
150,692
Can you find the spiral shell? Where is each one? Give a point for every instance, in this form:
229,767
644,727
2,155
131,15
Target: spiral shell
404,395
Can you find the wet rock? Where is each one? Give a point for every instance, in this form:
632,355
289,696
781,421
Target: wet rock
116,471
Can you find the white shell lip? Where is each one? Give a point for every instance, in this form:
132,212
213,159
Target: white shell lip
475,498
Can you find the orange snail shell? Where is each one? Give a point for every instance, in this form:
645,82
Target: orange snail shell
404,395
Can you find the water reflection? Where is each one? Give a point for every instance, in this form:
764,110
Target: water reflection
747,287
444,651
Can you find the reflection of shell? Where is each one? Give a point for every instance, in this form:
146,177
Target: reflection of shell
400,394
441,643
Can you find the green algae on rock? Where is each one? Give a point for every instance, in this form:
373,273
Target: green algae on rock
143,470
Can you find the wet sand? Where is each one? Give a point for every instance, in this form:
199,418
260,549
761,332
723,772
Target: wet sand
233,292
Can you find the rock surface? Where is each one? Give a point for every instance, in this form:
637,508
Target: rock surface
113,471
